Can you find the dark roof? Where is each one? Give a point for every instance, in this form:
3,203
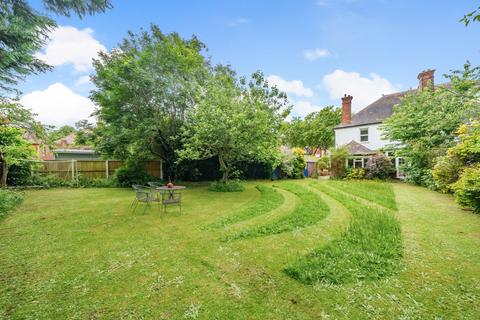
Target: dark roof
354,147
380,109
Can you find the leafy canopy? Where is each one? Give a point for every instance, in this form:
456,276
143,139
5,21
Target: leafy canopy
24,31
235,121
425,123
144,89
316,130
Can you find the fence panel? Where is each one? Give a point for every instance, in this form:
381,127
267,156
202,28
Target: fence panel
90,169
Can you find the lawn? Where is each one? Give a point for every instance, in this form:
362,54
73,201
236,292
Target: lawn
284,250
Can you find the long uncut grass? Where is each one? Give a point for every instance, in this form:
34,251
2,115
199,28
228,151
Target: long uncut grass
270,199
310,211
369,250
378,192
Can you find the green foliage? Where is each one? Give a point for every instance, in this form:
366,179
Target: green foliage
425,123
13,148
310,211
371,249
467,188
379,166
270,199
56,134
338,157
298,164
471,17
315,131
355,174
227,186
144,91
132,172
323,163
9,200
235,121
468,147
374,191
25,31
446,171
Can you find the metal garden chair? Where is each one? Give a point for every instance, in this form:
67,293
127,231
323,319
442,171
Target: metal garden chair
144,195
154,190
171,197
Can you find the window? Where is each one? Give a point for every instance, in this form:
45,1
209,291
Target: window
364,135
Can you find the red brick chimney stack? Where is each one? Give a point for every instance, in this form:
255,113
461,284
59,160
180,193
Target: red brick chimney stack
426,79
346,109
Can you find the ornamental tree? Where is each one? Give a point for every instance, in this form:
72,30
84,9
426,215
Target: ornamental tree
235,121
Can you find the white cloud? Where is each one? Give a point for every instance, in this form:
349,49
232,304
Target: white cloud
82,80
302,108
294,87
364,90
238,21
68,45
58,105
315,54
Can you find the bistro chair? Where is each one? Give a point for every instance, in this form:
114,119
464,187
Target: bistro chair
142,194
171,197
153,188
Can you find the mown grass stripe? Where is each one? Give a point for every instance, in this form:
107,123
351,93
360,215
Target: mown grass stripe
378,192
310,210
270,199
369,250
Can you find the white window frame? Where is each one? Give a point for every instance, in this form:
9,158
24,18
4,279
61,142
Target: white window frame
363,135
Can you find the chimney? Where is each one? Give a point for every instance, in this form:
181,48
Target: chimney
425,79
346,109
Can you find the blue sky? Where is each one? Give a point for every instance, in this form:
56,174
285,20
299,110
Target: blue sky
316,50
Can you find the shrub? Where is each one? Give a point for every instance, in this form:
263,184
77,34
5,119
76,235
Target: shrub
132,172
227,186
467,188
355,173
298,163
337,162
446,172
323,163
9,200
293,166
379,166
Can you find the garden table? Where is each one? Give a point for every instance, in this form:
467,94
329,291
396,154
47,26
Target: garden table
169,197
171,190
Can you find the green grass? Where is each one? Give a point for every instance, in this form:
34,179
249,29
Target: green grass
82,254
8,201
369,250
375,191
310,211
270,199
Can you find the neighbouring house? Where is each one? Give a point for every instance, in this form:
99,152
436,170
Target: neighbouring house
361,133
65,149
42,150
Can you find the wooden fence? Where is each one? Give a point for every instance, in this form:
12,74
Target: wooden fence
90,169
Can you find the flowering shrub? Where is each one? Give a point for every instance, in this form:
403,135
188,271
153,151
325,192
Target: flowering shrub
379,166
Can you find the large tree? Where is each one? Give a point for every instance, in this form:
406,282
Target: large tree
144,89
315,130
235,121
24,31
425,122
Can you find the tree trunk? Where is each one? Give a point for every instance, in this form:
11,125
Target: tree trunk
3,179
223,168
